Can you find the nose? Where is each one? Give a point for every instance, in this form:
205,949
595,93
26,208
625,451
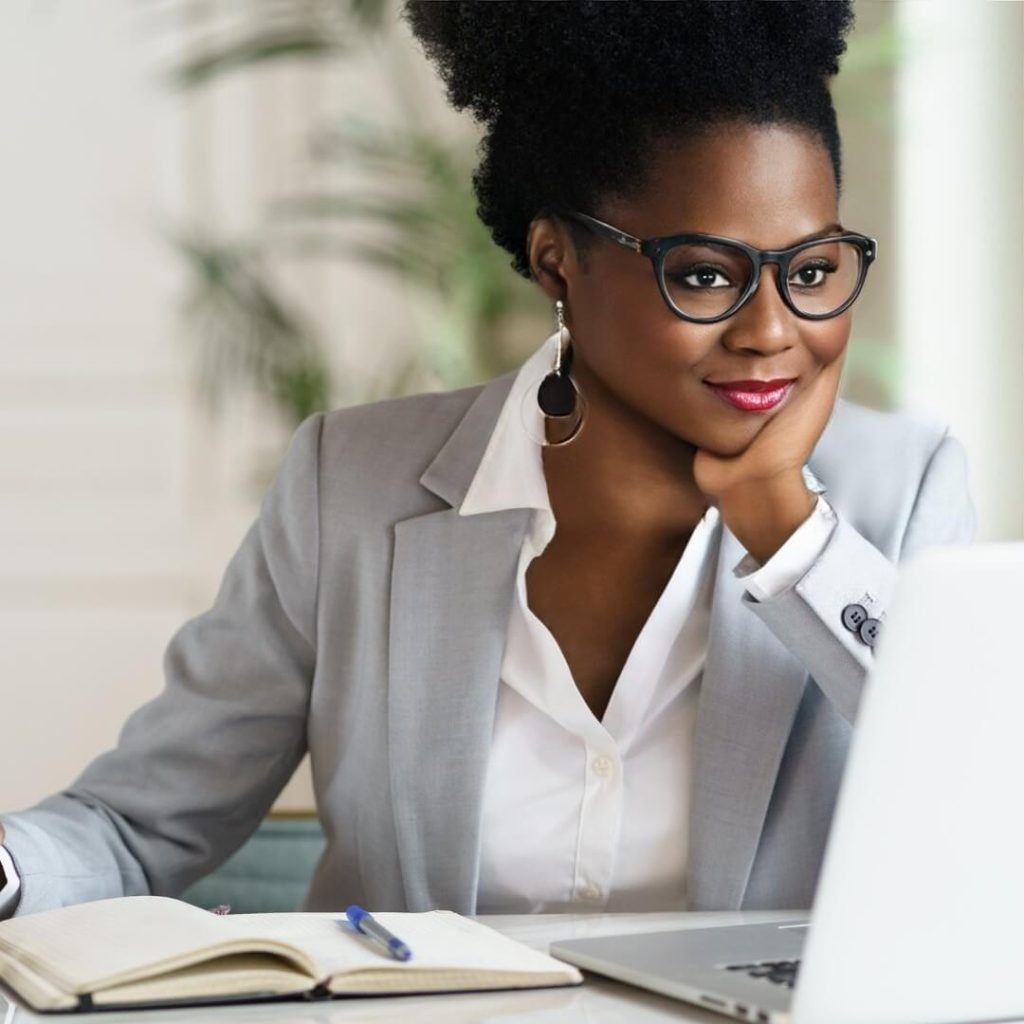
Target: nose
764,323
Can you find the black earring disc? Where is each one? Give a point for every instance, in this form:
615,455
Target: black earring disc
556,395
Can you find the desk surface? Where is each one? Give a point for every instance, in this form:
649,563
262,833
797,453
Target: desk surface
597,1001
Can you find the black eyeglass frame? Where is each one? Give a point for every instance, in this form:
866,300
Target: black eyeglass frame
656,248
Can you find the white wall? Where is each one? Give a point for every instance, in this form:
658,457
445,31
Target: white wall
97,547
960,205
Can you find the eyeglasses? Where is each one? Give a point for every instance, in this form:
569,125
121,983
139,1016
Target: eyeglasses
707,278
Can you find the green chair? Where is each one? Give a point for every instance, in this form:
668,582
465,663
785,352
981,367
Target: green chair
271,872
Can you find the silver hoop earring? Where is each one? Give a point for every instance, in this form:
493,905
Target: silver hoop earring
558,397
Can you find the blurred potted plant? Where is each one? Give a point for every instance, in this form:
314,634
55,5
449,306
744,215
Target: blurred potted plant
421,210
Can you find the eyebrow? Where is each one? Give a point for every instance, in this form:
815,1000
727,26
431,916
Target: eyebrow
822,233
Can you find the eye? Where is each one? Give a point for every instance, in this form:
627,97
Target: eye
702,277
811,274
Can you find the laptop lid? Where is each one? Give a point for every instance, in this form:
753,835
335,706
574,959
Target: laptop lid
919,911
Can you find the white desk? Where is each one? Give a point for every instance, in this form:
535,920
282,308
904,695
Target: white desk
597,1001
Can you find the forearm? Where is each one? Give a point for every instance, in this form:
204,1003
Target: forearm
67,850
852,569
808,617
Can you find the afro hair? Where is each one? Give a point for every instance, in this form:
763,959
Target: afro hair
571,95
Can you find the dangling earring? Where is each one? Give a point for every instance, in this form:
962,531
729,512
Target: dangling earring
558,397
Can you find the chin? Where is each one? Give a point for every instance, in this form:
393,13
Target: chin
726,449
724,443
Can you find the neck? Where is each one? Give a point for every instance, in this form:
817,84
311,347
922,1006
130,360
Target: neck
622,473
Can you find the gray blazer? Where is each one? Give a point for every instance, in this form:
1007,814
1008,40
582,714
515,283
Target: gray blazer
364,620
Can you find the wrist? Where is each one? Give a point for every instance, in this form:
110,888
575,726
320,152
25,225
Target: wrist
763,515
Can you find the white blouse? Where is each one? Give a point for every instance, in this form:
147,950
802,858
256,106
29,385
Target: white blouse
582,814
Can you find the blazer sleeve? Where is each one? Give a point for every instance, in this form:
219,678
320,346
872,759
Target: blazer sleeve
196,769
808,617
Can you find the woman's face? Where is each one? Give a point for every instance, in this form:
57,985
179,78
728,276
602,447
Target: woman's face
770,186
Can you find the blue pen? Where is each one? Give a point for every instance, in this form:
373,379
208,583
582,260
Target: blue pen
363,922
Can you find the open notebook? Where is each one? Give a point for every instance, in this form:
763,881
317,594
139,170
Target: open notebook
153,951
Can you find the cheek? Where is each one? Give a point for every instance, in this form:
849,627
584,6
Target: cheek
630,341
648,364
656,373
827,341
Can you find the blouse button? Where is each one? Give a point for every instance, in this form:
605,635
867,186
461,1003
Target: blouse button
602,766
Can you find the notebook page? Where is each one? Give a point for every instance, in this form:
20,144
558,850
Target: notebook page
85,946
439,939
253,975
37,991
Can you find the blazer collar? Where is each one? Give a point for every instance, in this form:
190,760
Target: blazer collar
453,468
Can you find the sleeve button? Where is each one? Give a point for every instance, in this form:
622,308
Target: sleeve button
869,631
854,615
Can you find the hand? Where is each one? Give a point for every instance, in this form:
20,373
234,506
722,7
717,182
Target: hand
760,493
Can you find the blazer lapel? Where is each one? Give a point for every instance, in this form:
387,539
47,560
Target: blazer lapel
451,591
750,692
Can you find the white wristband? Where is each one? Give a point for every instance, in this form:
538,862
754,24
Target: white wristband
9,893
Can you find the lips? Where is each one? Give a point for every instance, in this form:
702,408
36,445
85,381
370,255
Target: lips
753,395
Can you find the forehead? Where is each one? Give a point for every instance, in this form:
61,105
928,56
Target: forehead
768,185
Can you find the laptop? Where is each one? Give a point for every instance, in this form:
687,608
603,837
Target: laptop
918,914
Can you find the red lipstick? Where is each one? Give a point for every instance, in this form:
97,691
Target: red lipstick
753,395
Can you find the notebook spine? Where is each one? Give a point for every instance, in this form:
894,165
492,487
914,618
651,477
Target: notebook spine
320,990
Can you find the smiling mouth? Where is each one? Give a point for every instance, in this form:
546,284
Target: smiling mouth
753,396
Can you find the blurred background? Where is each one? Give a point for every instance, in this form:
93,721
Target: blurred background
220,216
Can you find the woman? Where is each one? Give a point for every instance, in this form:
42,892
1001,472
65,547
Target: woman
593,634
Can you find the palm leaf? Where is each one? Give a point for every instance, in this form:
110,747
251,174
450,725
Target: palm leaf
269,31
246,331
261,48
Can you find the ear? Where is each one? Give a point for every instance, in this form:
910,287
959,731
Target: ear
551,254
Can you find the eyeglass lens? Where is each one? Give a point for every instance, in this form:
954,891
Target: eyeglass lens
708,279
